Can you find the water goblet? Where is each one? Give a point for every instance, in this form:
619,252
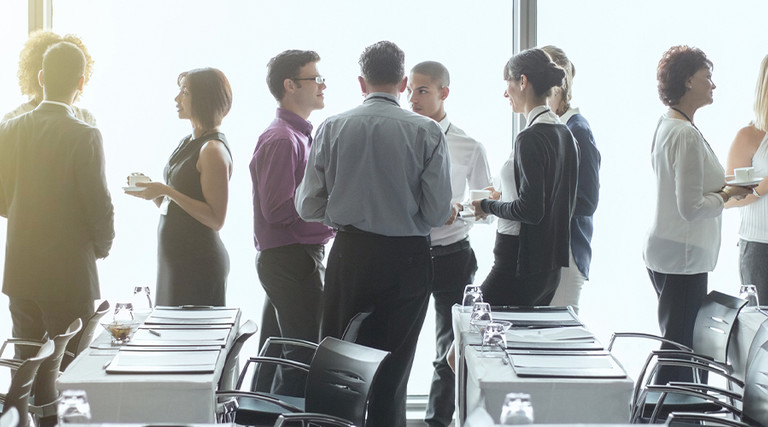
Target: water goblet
749,293
472,294
481,316
494,338
123,312
142,302
517,409
73,407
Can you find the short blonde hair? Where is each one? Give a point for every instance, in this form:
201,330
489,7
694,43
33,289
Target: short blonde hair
761,97
559,57
31,60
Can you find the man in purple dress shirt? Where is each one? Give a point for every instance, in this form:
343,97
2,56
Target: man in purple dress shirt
290,250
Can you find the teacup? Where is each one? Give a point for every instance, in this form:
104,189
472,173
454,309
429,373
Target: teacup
137,177
744,174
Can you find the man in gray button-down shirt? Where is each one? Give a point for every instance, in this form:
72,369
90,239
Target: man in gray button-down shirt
380,175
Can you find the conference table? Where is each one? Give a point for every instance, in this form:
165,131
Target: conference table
483,381
167,373
569,376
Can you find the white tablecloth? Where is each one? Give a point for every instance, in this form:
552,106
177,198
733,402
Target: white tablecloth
555,400
485,382
143,398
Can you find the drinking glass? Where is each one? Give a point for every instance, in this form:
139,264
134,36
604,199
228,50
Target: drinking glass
481,316
472,294
123,312
73,407
495,338
142,302
749,293
517,409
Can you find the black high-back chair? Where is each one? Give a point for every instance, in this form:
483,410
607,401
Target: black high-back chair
339,381
81,341
711,337
22,381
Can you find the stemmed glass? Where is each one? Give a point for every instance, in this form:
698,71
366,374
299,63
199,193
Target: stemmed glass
517,409
472,294
494,336
123,312
142,302
481,316
749,293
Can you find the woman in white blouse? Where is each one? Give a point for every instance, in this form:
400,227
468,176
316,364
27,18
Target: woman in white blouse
684,239
750,148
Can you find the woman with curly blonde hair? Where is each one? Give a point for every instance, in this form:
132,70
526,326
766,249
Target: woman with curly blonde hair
30,64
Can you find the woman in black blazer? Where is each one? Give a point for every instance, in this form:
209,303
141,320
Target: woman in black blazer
538,191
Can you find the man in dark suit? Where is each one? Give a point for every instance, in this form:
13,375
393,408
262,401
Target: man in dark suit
60,217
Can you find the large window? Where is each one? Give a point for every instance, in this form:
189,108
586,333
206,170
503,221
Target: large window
616,47
140,47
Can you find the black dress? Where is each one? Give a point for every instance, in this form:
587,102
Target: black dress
192,262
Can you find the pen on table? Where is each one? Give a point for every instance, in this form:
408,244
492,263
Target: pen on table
154,332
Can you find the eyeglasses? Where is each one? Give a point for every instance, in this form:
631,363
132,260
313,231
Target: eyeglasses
318,79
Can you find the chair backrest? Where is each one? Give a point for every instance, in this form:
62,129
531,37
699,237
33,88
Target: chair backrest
21,383
340,379
354,326
90,327
44,389
714,323
10,418
246,330
755,404
760,338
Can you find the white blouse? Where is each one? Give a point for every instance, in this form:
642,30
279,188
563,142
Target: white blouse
685,235
754,216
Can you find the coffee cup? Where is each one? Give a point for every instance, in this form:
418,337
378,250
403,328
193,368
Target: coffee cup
479,194
137,177
744,174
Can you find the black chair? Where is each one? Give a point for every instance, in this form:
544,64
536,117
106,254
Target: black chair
22,381
44,394
753,402
246,330
339,381
311,420
711,337
273,347
84,339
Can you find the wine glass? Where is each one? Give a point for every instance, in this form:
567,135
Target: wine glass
73,407
142,302
494,338
517,409
481,316
123,312
749,293
472,294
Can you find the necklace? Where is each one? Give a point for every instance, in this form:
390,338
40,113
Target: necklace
692,124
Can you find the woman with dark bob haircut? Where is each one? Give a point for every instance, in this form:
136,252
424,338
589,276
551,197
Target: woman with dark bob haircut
192,262
684,239
538,191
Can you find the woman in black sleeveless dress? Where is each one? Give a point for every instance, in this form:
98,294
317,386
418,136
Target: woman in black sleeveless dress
192,262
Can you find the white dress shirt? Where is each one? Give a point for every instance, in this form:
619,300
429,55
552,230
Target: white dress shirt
685,235
469,167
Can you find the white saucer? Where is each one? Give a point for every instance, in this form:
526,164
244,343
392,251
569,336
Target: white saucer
744,183
134,188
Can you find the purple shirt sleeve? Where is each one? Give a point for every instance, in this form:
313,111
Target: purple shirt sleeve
274,167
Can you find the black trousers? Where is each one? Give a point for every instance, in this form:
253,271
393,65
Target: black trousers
390,277
32,319
455,266
292,277
680,297
504,287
